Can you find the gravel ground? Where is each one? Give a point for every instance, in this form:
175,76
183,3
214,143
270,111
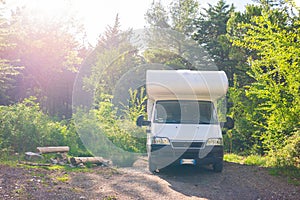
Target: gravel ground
182,182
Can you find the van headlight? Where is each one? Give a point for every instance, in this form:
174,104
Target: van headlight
214,142
161,140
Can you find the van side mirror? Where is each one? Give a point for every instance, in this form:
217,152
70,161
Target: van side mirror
229,124
141,122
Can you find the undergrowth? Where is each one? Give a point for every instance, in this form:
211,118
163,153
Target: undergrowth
291,173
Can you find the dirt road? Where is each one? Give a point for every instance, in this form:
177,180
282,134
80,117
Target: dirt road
184,182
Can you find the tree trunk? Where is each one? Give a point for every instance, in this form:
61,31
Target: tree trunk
33,164
59,149
92,160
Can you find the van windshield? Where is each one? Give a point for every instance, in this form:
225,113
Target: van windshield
185,112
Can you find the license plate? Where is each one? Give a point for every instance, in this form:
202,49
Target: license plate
188,162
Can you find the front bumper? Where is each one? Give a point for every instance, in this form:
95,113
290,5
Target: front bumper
164,155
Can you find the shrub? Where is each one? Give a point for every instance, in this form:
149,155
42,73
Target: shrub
112,135
289,155
121,130
24,126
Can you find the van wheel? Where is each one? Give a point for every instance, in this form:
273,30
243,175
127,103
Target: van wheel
218,167
152,167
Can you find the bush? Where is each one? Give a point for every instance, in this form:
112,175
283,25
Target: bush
24,127
121,131
109,134
289,155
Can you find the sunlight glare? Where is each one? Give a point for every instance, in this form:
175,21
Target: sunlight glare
47,10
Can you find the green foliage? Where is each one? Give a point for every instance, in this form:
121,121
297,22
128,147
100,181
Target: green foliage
166,57
210,33
157,16
289,154
183,14
255,160
179,16
137,104
8,70
114,55
107,131
173,45
247,160
267,110
243,137
122,131
233,158
107,134
24,127
50,55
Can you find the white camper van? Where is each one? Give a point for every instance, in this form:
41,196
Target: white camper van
183,126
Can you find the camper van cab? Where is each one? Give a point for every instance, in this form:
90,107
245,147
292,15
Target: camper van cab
183,125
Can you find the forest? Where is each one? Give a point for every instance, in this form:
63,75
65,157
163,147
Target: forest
258,49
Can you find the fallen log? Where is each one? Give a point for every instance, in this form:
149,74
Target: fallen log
33,164
92,160
58,149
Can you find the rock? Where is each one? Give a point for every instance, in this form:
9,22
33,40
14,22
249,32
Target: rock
72,166
53,161
81,165
33,156
61,163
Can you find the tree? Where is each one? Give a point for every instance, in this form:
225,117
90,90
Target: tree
170,42
211,34
49,52
238,53
179,17
243,137
274,94
183,15
7,68
157,16
113,56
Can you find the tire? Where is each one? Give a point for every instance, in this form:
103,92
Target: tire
218,167
151,166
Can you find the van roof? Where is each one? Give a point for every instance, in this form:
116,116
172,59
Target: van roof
186,84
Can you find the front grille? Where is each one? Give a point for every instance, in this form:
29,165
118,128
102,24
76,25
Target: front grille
187,144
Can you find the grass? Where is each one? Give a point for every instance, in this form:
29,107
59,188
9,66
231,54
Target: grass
13,161
234,158
64,178
291,173
256,160
246,160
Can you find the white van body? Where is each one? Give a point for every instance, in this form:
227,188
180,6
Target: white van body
183,123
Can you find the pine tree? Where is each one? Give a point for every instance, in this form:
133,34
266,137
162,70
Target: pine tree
8,67
157,16
211,34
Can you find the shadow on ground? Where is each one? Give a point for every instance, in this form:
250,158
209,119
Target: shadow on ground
235,182
184,182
